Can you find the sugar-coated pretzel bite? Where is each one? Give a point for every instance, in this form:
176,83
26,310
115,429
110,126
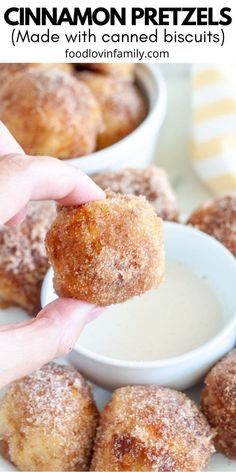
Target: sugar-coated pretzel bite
7,70
106,251
219,403
122,105
23,259
48,420
50,112
218,218
120,71
152,182
145,428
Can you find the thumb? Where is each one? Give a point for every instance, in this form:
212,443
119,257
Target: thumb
27,346
8,145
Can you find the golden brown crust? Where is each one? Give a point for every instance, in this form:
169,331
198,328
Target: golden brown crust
218,218
219,403
122,104
106,251
119,71
48,420
146,428
50,113
23,259
152,182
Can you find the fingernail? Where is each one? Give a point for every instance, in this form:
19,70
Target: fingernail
17,219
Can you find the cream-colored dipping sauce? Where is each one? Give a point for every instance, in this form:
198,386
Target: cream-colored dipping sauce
180,316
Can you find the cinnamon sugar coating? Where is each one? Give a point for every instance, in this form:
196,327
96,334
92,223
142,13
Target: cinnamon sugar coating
49,112
219,403
23,259
118,70
152,182
106,251
122,104
48,420
7,70
218,218
146,428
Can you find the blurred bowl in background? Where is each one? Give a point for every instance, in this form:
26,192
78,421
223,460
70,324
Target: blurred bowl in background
137,148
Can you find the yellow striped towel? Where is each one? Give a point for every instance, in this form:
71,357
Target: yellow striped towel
214,125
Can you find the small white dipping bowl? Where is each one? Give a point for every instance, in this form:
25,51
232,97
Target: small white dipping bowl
205,256
137,148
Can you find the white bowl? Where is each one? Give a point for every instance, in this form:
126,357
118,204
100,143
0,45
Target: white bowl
204,255
137,148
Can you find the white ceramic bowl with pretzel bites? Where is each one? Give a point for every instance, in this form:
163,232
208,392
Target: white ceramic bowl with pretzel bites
204,256
138,147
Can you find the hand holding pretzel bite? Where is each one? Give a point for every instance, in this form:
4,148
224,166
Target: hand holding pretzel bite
56,327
